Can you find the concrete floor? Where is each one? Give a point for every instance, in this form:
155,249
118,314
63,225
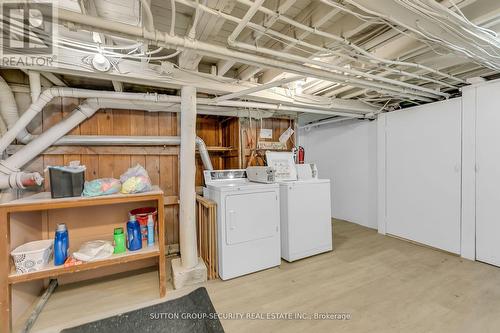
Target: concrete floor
384,284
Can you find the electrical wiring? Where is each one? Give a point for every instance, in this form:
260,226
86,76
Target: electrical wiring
452,23
93,49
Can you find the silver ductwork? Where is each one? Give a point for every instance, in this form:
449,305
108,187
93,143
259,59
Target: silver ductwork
99,140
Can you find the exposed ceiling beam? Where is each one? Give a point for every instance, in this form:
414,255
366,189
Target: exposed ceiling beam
208,26
224,66
316,15
134,72
257,88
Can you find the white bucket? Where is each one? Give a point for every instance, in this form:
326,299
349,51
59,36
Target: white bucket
32,256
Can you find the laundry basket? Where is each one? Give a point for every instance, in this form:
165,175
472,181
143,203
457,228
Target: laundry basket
32,256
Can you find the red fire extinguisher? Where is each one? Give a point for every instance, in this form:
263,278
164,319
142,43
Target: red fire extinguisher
300,155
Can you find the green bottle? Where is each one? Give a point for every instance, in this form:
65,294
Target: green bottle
119,238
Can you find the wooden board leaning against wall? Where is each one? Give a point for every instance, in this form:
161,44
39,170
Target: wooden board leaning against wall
221,135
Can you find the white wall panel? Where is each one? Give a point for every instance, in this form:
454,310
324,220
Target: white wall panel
488,173
346,153
423,162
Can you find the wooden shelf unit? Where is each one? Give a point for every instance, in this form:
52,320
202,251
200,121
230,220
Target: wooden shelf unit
42,202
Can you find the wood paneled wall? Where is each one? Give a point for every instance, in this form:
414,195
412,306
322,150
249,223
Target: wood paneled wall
221,135
162,163
250,132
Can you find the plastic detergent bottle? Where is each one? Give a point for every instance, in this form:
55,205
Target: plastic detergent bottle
151,230
134,239
119,238
61,244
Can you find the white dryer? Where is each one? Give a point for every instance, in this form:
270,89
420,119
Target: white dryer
306,225
248,222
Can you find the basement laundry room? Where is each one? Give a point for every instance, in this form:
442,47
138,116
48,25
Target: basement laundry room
210,166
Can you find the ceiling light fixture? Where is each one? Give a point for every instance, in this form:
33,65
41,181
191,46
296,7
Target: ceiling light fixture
101,63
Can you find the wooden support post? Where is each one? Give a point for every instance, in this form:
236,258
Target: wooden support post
5,287
161,244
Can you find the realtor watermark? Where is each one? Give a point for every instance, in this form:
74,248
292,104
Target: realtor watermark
28,33
250,316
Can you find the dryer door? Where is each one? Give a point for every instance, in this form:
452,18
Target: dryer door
251,216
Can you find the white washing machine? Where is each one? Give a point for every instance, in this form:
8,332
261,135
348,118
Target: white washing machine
248,222
306,225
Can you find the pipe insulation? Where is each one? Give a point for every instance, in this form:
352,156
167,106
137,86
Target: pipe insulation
10,114
203,48
187,194
18,129
54,133
11,166
114,140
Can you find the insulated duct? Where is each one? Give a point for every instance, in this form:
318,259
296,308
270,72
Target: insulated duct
18,128
11,166
12,177
98,140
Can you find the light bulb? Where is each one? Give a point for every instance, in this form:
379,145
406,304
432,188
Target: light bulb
298,88
99,59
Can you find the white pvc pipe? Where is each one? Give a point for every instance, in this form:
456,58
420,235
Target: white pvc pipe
10,115
44,140
35,85
17,129
187,194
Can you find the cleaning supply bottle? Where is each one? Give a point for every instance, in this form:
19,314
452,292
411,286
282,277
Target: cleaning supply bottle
134,239
151,230
119,238
61,244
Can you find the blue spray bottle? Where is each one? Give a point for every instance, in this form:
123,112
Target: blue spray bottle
151,230
61,244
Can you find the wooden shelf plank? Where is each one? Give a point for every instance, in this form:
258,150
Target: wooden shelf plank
115,259
43,201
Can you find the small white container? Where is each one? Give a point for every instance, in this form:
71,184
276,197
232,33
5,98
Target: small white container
32,256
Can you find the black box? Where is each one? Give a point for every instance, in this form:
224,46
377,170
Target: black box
65,183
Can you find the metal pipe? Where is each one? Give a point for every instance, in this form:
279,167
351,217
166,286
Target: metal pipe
412,89
17,129
318,32
204,48
99,140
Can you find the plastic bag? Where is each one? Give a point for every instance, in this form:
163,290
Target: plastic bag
102,186
94,250
135,180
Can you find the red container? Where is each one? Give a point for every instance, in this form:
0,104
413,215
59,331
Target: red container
141,215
